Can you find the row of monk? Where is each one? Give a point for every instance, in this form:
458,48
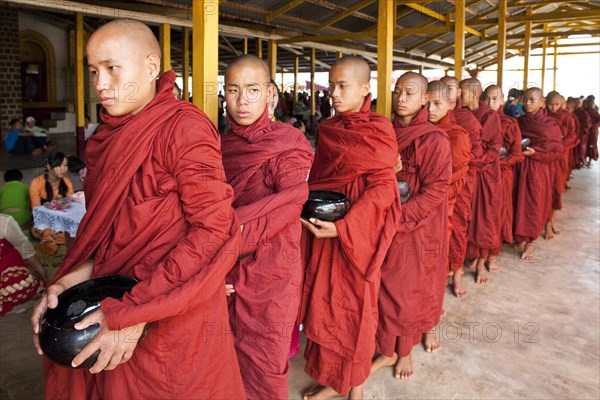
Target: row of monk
211,227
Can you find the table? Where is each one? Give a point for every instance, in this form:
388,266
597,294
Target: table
66,220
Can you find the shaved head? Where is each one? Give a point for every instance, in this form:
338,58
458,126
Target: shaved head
534,90
473,85
454,91
132,36
450,81
552,95
358,67
494,89
533,100
494,97
439,101
251,61
438,87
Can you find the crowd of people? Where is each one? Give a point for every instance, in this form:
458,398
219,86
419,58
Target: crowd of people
230,274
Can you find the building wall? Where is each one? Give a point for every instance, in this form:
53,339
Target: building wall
10,67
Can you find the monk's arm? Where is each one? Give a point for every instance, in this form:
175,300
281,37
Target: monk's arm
554,150
492,138
515,152
476,149
458,182
289,176
196,267
435,173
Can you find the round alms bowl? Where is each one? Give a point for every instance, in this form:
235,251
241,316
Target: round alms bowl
325,205
404,191
503,152
59,339
525,142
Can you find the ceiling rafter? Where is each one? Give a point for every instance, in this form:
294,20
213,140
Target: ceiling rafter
282,10
344,14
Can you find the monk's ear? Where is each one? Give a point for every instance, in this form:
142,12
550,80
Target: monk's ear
425,99
366,89
153,66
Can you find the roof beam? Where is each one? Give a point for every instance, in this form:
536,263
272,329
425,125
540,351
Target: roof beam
344,14
554,16
282,10
430,13
332,6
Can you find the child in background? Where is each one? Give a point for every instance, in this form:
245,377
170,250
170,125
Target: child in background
14,197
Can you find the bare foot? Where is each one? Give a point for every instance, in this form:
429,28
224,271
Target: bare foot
492,266
383,361
481,276
404,368
528,252
320,393
457,287
443,313
520,246
555,230
548,232
356,393
430,341
472,263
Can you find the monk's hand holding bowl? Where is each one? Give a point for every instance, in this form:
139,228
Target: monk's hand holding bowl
528,152
321,229
116,347
398,166
50,297
229,289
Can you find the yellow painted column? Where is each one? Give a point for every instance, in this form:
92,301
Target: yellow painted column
501,40
459,39
527,50
555,62
79,85
205,66
186,64
338,54
296,68
259,48
313,100
385,45
273,58
165,47
245,46
544,48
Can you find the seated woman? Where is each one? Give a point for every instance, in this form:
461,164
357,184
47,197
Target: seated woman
53,185
17,283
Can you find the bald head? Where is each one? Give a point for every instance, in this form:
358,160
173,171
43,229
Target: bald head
533,100
357,66
553,95
454,91
470,93
534,91
493,89
450,81
494,97
440,89
416,78
473,85
252,62
132,36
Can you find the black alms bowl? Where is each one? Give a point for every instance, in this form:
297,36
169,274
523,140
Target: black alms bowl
59,340
404,191
325,205
525,142
503,152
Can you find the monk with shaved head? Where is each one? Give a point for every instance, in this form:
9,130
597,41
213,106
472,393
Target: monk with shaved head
158,210
462,209
534,176
484,227
356,155
568,128
267,164
415,268
509,157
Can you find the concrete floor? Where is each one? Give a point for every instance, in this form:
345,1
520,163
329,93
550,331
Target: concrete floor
531,333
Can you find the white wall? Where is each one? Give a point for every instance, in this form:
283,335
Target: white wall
60,41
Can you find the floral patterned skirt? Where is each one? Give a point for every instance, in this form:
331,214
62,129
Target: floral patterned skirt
17,284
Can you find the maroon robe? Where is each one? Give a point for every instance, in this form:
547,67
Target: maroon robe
511,141
267,164
533,177
462,209
159,209
592,142
413,276
574,158
356,155
561,166
585,127
484,227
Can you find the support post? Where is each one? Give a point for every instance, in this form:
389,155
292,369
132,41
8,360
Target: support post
79,85
527,50
385,43
501,41
273,58
459,39
165,47
186,64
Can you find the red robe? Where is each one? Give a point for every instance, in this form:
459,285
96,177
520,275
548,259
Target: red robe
533,177
561,166
356,154
484,227
460,146
511,141
592,142
585,127
462,208
414,274
159,209
574,158
267,164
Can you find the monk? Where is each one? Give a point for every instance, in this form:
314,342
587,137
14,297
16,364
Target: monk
440,114
158,210
511,142
267,164
534,176
592,143
462,208
561,166
484,227
414,273
356,155
585,128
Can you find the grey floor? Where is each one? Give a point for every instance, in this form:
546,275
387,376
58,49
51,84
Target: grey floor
531,333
